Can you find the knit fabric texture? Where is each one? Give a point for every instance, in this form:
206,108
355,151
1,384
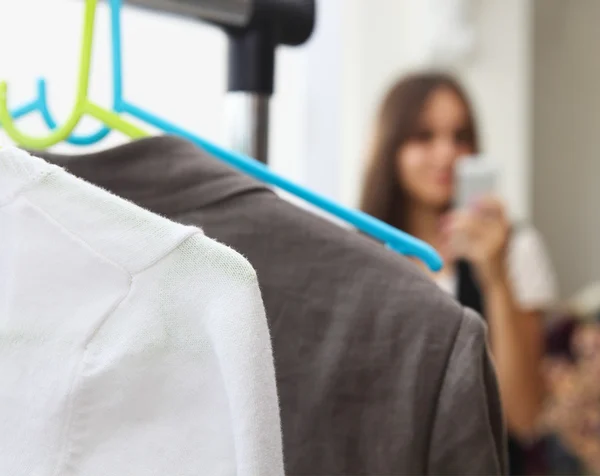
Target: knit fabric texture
129,344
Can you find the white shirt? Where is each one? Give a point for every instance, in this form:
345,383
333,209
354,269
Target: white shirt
129,345
530,269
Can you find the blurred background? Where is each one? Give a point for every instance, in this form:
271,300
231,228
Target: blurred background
530,66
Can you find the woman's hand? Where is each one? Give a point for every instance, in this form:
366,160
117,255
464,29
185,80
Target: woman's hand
480,235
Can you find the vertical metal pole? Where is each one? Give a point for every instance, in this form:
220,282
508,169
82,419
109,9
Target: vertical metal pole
252,68
250,85
248,124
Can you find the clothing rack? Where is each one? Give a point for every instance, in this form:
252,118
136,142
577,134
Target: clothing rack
254,29
112,120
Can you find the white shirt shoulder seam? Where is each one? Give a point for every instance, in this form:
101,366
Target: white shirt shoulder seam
175,245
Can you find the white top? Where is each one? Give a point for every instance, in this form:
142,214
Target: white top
530,270
129,344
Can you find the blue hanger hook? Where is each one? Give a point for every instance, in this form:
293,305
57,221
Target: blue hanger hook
75,139
40,104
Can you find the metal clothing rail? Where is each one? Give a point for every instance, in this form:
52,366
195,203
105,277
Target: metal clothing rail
254,28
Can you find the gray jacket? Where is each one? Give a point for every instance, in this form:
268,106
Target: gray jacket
378,371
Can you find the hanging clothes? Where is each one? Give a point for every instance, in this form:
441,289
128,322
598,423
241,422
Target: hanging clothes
378,370
522,460
129,344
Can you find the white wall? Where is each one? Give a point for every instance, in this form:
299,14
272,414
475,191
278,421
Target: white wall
566,137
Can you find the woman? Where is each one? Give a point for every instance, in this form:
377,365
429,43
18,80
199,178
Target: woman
424,128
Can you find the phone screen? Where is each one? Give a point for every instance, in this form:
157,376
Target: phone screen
475,177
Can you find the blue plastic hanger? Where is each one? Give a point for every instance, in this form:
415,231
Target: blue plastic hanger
82,106
395,239
75,139
40,104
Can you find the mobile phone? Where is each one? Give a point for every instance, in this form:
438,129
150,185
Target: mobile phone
475,177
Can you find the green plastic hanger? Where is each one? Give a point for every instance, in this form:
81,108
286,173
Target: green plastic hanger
82,105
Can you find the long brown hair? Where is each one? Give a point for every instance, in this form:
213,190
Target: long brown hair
397,121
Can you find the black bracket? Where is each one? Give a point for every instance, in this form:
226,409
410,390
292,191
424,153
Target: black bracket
252,47
255,28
